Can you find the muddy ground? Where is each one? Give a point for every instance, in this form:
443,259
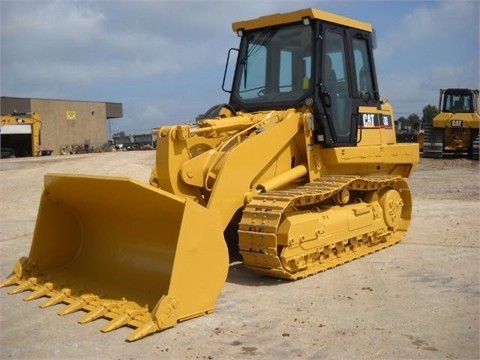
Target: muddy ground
416,300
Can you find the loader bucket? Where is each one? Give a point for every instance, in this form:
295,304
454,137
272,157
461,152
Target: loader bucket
124,250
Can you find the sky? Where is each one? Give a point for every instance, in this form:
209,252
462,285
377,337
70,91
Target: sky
165,60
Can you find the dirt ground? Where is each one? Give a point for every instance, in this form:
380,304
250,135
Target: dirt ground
416,300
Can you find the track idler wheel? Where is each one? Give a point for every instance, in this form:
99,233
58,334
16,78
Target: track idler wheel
391,203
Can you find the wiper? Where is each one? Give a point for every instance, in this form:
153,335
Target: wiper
244,62
262,41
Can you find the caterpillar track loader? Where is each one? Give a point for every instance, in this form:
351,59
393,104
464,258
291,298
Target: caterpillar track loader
455,128
300,172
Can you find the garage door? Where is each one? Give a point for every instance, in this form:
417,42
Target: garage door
15,129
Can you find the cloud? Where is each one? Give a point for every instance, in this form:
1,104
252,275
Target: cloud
71,42
162,55
164,60
435,45
435,24
83,42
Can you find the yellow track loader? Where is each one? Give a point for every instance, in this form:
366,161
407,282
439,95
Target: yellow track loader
300,172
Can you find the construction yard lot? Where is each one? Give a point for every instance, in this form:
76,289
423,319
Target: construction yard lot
419,299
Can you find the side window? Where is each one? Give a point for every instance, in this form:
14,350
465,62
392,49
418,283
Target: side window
469,103
307,72
334,68
363,72
295,71
335,81
447,103
286,76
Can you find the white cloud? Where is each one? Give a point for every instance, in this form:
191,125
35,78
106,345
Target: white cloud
64,21
436,24
168,56
84,41
70,42
436,45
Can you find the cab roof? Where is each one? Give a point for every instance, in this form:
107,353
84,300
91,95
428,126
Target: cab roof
298,16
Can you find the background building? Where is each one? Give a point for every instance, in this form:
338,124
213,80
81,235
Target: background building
67,124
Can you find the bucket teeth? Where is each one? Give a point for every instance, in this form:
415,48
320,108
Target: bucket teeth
148,328
43,291
57,299
78,305
12,280
100,311
93,315
123,319
116,323
24,286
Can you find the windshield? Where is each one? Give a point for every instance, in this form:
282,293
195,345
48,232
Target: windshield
275,66
458,101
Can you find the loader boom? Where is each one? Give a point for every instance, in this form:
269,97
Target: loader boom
222,178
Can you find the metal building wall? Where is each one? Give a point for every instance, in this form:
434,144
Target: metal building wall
71,123
67,123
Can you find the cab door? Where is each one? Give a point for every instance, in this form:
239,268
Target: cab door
371,121
347,84
336,87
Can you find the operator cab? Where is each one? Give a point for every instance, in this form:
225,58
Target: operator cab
307,58
458,101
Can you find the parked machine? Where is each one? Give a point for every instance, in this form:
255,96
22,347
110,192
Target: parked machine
298,173
20,135
455,129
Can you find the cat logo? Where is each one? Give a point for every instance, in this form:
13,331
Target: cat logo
456,123
71,115
368,120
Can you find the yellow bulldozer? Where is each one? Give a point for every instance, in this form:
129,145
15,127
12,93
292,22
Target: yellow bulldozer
298,173
455,129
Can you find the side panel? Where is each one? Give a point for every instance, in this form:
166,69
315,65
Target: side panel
375,127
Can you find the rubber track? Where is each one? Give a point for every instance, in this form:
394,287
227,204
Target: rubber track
263,215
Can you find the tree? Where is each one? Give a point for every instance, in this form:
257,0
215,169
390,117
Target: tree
413,119
429,112
400,123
